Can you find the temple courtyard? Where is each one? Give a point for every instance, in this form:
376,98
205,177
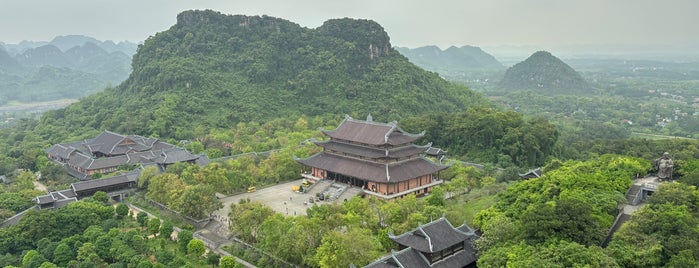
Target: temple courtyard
281,198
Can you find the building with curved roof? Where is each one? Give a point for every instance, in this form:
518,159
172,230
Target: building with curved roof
381,158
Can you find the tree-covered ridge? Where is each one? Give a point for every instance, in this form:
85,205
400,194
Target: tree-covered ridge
543,71
569,209
488,135
216,70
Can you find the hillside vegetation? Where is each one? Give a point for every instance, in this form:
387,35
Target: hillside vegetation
214,70
544,72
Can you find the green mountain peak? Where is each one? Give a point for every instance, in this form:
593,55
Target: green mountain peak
215,70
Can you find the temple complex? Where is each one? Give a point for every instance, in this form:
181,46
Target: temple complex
378,157
108,151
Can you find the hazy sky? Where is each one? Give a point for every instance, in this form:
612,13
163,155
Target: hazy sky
408,22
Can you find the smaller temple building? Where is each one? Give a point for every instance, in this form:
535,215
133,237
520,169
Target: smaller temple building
118,186
380,158
106,152
436,244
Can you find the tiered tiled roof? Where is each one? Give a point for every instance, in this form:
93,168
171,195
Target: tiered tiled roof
372,133
373,171
372,152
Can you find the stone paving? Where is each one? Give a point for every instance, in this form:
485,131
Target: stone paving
279,197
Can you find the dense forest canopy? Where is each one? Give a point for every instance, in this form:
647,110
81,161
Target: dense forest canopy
216,70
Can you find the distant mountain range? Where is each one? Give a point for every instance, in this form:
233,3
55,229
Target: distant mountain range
66,42
544,72
66,67
454,62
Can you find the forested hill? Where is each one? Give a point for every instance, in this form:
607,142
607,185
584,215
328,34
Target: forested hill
545,72
214,70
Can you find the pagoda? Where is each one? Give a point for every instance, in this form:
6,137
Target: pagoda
378,157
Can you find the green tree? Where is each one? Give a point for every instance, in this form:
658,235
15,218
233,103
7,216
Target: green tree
142,219
166,229
48,265
246,218
121,210
62,255
146,175
196,247
183,238
87,254
357,246
154,227
227,262
101,197
25,180
198,201
103,245
32,259
213,259
436,197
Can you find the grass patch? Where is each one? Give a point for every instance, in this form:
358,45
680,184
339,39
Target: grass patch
465,207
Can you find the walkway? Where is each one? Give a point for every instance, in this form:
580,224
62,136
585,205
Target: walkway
219,241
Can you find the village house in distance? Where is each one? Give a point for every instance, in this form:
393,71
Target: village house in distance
378,157
108,151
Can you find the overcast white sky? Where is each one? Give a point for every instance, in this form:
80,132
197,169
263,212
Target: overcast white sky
409,23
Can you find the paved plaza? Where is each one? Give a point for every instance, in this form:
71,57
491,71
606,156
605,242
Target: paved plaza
282,199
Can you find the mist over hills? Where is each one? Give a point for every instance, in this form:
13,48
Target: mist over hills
455,63
66,42
214,70
544,72
67,67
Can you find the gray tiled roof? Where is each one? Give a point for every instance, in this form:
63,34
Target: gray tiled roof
176,155
535,173
106,162
407,257
434,151
460,259
372,133
371,152
439,232
99,183
80,160
120,150
372,171
44,199
105,142
432,237
60,150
